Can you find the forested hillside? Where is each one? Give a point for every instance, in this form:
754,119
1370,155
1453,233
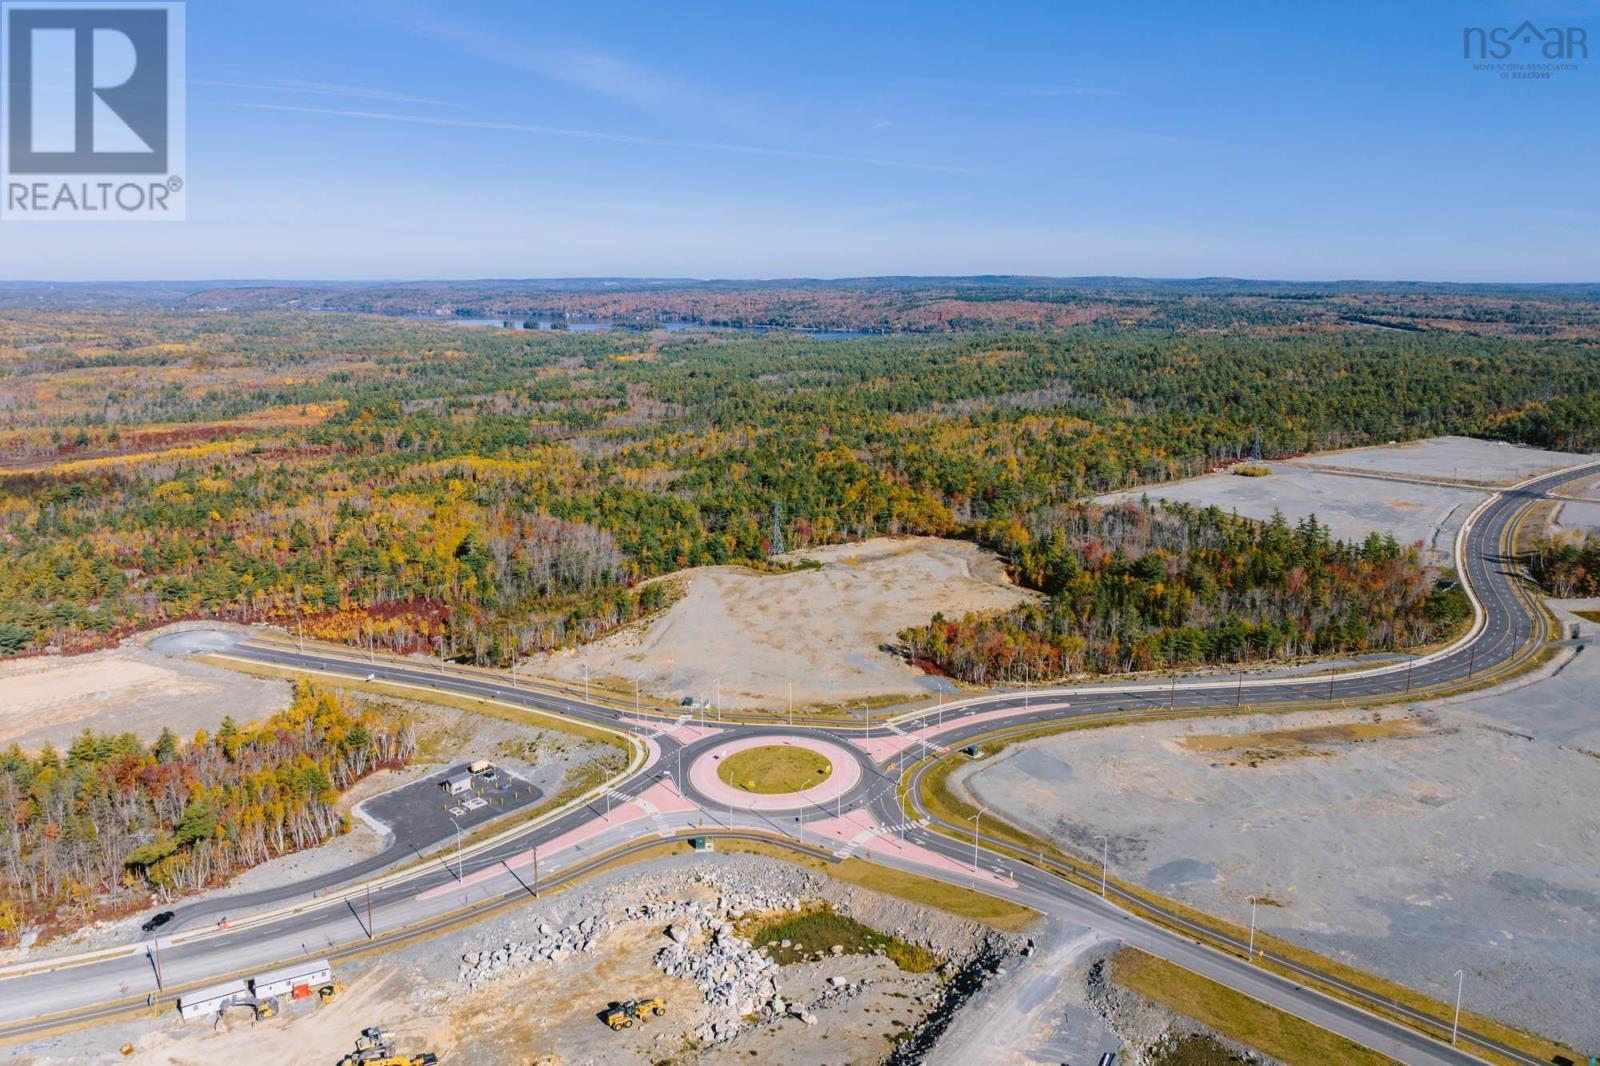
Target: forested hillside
112,819
487,492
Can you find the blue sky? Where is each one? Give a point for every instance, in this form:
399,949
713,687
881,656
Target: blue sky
421,138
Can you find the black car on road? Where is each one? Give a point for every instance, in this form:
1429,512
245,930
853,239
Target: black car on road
157,921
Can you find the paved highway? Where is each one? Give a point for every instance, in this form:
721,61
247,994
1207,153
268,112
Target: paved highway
453,888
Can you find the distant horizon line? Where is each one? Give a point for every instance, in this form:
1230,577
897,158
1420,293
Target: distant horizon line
646,279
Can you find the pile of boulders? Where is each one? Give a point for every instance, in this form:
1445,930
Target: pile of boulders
552,945
739,981
738,895
740,985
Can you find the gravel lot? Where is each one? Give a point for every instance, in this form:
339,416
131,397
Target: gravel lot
1484,462
130,689
1365,490
1468,842
821,631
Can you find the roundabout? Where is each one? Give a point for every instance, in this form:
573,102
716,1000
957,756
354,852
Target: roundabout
774,772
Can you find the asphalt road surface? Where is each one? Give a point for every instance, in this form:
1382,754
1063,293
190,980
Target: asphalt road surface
35,997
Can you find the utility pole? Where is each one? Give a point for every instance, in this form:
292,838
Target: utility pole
585,682
155,954
535,872
1238,693
1472,661
1330,684
791,705
977,822
369,911
301,626
1105,858
1252,928
636,697
1455,1026
1409,664
460,866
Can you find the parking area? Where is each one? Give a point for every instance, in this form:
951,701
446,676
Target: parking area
423,813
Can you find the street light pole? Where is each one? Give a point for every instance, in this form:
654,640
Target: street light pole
460,866
1105,858
1455,1026
977,823
585,682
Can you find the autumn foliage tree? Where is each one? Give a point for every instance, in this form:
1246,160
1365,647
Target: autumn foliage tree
112,819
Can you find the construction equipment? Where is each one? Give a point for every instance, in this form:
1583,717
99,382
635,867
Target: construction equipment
621,1015
374,1047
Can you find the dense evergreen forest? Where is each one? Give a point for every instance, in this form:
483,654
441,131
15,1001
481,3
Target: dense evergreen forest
112,819
487,492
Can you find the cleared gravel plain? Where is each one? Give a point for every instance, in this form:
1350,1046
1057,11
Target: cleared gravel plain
1462,836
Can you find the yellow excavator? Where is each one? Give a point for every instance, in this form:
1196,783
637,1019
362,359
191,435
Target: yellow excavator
622,1015
374,1047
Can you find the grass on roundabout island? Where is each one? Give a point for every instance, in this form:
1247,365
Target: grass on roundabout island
774,768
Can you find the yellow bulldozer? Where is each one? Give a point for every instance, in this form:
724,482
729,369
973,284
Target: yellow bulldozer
622,1015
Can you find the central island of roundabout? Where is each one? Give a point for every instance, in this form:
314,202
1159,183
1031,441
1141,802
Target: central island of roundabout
774,772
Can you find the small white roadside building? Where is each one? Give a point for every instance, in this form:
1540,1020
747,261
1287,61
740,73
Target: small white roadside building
205,1002
312,974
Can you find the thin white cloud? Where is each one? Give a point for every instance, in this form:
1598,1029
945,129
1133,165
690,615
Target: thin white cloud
580,66
317,88
618,138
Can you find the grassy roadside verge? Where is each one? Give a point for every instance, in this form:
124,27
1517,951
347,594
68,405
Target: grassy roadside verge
1267,1029
942,801
914,888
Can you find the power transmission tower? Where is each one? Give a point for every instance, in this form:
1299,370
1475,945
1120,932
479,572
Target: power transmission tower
1255,447
777,528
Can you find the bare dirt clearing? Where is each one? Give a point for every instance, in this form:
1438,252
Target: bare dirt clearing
1456,835
1481,462
130,689
821,631
1421,491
